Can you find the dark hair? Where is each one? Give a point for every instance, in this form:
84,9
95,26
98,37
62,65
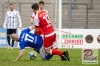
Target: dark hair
35,6
11,4
41,2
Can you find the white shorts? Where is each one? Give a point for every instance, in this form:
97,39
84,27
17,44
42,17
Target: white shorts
42,52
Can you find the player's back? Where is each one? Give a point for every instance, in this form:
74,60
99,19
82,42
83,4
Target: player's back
45,23
30,40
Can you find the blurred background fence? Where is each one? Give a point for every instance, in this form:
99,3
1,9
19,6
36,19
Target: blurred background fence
85,13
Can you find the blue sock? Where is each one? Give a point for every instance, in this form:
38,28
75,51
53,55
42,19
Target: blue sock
48,57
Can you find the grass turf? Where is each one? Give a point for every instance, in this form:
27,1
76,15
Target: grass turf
8,55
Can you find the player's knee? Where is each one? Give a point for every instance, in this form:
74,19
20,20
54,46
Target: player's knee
47,51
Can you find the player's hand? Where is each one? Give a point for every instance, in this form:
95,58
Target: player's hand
14,60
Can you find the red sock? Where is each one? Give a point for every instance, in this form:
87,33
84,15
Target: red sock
57,52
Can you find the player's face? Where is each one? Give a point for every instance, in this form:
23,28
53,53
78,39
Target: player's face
41,6
11,7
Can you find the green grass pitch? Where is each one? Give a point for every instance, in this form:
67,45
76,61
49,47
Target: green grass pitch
8,55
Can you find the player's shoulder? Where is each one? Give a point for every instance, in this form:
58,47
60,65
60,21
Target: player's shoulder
16,11
33,15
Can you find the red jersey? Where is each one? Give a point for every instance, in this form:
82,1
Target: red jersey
42,21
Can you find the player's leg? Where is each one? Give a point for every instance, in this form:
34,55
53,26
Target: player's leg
48,57
58,52
13,31
66,53
48,43
42,53
8,38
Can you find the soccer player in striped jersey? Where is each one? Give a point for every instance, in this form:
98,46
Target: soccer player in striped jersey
11,23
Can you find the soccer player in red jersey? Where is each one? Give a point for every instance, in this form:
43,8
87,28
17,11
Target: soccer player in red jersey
42,21
41,8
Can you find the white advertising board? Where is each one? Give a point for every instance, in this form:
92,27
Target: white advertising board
78,38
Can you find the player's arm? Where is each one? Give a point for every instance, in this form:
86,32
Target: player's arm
5,22
19,19
31,19
21,29
36,21
36,30
21,53
32,27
